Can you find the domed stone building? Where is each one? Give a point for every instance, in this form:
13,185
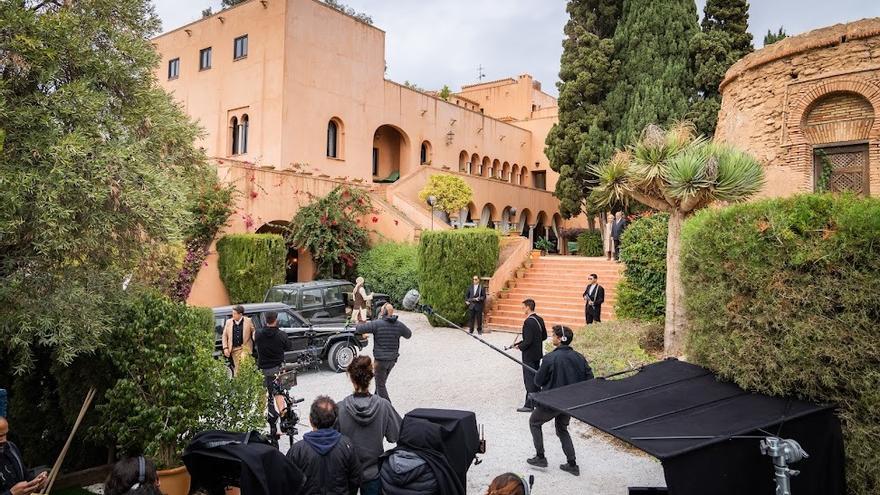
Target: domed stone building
809,108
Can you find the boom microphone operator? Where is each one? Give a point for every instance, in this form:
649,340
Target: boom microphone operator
411,303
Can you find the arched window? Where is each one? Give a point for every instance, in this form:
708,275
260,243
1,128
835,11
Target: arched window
425,153
243,128
233,126
332,139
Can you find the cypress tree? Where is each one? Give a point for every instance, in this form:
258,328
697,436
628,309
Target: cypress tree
587,73
772,37
652,42
724,40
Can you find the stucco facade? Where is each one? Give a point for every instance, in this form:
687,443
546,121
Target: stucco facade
294,99
809,108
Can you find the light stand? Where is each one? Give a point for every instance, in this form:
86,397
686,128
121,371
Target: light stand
783,452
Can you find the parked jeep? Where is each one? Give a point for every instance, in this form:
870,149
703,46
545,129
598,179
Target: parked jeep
336,345
322,301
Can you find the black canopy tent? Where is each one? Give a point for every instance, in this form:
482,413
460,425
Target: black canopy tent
705,432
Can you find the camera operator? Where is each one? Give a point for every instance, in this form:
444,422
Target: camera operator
271,343
15,479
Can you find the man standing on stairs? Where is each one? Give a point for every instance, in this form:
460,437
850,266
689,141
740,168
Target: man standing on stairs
534,333
474,298
594,296
617,229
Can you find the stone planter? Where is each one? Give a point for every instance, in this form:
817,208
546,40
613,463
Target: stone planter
536,253
174,481
520,273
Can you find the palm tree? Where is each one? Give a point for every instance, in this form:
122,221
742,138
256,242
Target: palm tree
676,172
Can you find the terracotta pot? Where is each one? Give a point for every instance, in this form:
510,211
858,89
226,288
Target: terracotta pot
174,481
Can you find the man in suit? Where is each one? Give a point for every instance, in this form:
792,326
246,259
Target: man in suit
238,337
594,296
617,229
534,333
474,299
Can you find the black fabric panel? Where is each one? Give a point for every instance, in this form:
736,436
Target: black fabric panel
736,466
460,436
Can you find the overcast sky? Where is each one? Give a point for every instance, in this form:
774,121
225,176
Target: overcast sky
436,42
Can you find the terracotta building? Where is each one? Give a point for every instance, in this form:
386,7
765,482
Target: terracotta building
293,99
808,108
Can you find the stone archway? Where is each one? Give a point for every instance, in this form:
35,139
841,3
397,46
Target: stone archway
488,215
390,153
524,222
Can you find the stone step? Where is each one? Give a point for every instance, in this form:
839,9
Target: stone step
555,292
548,304
561,285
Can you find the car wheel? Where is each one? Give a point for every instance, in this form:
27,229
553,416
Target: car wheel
341,355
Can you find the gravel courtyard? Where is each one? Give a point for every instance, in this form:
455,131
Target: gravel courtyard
443,368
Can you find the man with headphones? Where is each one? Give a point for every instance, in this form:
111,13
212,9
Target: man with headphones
564,366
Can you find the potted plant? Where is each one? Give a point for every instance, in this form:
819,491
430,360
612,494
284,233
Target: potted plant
544,245
170,385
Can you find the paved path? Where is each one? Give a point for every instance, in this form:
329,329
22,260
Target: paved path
443,368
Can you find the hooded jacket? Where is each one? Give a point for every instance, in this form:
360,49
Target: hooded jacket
387,332
402,475
366,419
564,366
329,462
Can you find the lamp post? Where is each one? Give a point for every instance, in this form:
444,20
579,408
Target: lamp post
431,202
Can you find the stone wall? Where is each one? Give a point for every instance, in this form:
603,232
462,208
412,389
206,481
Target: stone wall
804,93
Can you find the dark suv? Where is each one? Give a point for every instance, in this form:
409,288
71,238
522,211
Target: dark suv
321,301
336,345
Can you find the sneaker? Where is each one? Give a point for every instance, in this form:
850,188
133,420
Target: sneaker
524,409
570,468
538,460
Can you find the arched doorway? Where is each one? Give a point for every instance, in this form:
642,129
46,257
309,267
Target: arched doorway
475,165
542,226
390,154
506,219
505,172
291,264
514,174
463,162
487,216
486,168
838,125
466,216
525,219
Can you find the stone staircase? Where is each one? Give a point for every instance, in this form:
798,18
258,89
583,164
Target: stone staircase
556,284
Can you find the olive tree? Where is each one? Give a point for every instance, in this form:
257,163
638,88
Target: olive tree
677,172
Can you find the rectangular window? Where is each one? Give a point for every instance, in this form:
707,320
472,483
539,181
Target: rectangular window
240,47
539,179
311,298
205,58
173,68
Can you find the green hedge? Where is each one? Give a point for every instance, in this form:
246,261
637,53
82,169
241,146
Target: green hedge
616,345
590,243
250,264
391,268
784,298
447,261
641,293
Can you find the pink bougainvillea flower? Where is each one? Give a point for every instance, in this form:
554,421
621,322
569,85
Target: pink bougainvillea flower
254,194
375,219
395,222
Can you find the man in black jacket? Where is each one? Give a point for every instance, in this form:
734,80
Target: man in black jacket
271,343
387,331
15,478
534,333
474,299
617,228
327,457
564,366
594,296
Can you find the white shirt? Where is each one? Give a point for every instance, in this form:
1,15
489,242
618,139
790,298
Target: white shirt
476,290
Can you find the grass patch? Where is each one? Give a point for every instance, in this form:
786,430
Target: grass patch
617,345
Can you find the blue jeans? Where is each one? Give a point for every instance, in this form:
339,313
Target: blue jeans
370,487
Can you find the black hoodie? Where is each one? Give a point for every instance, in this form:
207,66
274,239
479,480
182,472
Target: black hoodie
366,419
424,439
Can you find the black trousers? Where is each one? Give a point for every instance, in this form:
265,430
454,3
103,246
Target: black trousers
272,414
616,249
542,415
383,369
529,381
475,316
593,313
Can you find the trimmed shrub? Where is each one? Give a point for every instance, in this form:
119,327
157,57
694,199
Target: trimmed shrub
447,261
250,264
391,268
783,297
615,346
641,293
590,243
